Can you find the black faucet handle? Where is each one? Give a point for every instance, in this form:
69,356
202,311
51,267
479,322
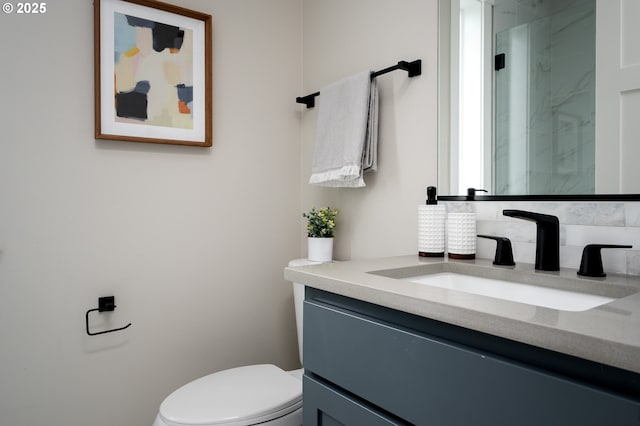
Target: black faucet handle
591,263
504,252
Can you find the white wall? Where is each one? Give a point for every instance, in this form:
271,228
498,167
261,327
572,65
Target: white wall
191,241
342,38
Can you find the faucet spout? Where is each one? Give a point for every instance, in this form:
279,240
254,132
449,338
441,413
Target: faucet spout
547,238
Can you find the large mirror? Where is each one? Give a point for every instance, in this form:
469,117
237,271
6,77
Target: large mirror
518,98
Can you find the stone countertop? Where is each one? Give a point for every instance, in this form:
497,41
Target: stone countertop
609,334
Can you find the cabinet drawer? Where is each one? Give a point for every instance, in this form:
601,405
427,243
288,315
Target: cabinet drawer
426,380
326,406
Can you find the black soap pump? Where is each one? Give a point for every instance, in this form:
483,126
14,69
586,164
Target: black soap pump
471,193
431,196
431,225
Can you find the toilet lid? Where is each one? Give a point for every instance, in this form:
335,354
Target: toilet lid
238,396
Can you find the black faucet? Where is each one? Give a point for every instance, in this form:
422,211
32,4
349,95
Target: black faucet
547,238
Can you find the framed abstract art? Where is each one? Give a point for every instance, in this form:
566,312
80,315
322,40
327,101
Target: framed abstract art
152,73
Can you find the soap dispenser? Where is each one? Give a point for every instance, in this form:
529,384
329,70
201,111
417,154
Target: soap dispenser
461,235
431,226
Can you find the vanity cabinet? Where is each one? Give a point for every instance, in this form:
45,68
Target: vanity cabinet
370,365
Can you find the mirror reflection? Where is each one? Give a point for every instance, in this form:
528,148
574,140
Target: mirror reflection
522,96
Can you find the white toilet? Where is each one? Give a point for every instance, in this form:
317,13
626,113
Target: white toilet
256,394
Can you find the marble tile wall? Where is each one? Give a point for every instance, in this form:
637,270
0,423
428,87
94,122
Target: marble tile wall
510,13
581,223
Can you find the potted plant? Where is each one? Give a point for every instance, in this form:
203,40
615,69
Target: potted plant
320,231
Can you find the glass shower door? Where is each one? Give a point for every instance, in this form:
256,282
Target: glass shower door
544,109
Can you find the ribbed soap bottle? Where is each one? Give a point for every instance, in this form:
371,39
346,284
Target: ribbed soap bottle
431,226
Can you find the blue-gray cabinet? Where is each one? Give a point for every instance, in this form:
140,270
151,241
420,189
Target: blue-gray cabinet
370,365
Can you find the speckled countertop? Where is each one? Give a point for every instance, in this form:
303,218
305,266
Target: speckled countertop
609,334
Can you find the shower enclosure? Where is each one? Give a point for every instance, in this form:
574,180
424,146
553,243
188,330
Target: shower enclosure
544,100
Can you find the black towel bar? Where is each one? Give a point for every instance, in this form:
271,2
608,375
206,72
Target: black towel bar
413,68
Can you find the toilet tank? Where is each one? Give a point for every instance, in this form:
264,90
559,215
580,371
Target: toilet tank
298,300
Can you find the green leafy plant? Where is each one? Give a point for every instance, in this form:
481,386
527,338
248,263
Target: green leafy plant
321,222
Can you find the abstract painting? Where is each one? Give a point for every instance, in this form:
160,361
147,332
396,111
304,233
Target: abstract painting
153,73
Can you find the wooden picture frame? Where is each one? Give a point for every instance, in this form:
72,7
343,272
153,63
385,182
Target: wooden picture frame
152,73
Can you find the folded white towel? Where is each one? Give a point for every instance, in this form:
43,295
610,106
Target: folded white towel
346,132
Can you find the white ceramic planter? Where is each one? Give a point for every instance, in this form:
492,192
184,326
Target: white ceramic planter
320,249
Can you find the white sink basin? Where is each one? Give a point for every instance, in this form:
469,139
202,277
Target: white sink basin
563,300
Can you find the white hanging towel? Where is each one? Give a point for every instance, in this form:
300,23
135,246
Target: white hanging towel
346,133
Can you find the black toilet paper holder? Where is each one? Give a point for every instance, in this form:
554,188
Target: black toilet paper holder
105,304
